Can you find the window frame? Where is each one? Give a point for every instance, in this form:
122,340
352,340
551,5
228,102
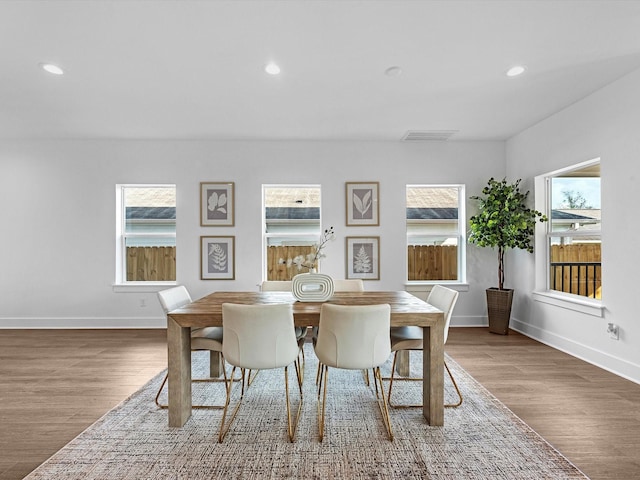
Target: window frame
543,292
460,234
121,283
291,235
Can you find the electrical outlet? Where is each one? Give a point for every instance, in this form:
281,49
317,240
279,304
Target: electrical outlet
614,331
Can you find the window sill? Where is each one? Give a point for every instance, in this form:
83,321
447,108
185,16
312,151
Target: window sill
571,302
142,287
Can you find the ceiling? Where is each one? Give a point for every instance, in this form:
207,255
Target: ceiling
194,69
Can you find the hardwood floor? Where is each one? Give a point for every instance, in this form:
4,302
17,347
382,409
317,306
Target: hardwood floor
590,415
55,383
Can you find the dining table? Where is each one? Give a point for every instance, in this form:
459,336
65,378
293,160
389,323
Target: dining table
406,310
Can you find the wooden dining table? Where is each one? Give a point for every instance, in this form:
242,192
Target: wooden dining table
406,309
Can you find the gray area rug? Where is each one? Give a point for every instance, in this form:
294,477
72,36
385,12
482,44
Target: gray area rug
482,439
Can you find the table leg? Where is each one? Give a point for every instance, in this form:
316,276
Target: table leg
215,364
179,346
403,364
433,389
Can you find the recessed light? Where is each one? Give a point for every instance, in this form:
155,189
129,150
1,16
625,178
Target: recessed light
272,68
393,71
516,70
51,68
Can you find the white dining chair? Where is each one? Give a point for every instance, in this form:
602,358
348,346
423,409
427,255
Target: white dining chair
410,338
348,285
207,338
301,332
341,285
353,337
276,286
259,337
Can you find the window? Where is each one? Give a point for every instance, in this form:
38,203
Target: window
146,233
573,232
291,215
435,235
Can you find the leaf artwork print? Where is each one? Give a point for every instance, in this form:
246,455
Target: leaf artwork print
362,203
218,258
217,204
362,258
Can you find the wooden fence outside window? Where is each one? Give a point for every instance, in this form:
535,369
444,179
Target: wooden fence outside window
578,269
432,262
148,264
280,264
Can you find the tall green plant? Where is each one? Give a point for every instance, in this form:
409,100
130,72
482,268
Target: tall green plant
503,220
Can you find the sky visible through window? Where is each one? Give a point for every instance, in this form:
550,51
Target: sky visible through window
588,187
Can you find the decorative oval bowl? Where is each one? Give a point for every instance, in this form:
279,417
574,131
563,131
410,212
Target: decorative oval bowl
312,287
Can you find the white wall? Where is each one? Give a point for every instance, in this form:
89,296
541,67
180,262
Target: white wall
606,125
58,216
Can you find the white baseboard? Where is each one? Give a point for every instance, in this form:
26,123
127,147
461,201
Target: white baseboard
469,321
618,366
81,323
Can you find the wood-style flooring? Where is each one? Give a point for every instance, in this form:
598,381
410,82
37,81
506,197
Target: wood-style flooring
590,415
55,383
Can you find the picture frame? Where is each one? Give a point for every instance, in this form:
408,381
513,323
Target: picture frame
363,258
217,257
363,206
217,201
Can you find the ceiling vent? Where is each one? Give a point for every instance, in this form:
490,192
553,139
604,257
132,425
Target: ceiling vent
428,135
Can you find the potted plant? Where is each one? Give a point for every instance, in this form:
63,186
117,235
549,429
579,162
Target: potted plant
503,221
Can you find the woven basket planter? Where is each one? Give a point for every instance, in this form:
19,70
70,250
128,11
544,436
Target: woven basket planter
499,310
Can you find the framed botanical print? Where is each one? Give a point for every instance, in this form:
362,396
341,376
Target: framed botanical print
217,204
363,258
362,203
217,258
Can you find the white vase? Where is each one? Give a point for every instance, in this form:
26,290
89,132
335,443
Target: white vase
312,287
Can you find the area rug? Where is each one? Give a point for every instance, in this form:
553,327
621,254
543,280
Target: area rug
482,439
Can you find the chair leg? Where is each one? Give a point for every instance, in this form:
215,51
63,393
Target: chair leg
300,364
318,373
365,376
225,427
299,375
209,407
323,378
301,351
382,402
166,377
391,379
393,370
453,405
250,379
448,405
223,430
319,377
380,398
299,372
291,427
